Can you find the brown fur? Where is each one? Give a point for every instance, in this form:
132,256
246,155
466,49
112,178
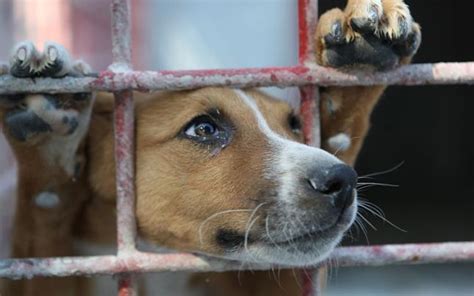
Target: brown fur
178,183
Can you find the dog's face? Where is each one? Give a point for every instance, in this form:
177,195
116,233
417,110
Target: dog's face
223,172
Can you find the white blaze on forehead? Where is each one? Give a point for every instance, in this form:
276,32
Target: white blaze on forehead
290,161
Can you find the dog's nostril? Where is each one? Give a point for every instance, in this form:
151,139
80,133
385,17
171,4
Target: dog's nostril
333,186
337,184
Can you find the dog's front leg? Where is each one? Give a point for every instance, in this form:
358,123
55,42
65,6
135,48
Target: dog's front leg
367,34
46,133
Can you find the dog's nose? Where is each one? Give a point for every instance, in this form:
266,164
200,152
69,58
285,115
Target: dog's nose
337,184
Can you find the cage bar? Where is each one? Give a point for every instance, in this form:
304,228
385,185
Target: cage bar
121,80
404,254
309,105
124,141
415,74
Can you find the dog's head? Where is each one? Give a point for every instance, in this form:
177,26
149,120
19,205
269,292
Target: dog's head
223,172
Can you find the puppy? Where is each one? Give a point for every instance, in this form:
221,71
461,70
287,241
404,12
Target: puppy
220,172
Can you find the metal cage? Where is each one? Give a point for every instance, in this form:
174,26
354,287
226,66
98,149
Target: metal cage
122,80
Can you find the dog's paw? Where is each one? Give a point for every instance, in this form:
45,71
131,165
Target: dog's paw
31,117
27,62
380,34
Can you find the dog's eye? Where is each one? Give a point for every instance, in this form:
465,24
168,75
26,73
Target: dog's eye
295,123
202,127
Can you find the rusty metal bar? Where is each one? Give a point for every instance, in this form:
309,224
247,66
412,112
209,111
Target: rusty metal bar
127,285
124,158
309,105
124,114
121,33
124,130
416,74
148,262
122,80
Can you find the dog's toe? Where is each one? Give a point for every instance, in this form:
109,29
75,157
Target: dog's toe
374,33
23,60
56,61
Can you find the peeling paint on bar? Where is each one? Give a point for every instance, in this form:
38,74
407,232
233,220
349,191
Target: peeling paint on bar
309,105
416,74
124,141
121,33
404,254
124,129
124,158
148,262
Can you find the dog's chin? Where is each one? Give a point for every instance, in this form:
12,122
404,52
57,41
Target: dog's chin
308,249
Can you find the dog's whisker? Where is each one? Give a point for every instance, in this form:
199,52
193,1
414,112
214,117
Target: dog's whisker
241,268
215,215
383,172
363,188
362,228
363,178
366,221
371,205
247,232
310,274
277,279
306,229
297,279
376,211
377,184
267,230
249,225
365,185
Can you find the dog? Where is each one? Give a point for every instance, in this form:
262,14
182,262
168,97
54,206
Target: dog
220,172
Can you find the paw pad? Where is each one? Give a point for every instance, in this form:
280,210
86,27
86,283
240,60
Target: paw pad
379,34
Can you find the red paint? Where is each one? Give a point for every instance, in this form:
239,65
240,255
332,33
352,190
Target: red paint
124,159
146,262
309,109
129,260
126,286
297,70
303,31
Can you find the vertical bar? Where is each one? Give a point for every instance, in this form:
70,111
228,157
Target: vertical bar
124,129
124,161
121,33
309,105
124,141
127,285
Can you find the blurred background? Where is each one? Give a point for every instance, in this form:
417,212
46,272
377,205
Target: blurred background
428,128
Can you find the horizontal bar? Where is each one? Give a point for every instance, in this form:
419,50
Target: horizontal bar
149,262
404,254
417,74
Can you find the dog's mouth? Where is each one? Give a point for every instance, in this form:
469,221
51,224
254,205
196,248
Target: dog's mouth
300,245
341,224
303,238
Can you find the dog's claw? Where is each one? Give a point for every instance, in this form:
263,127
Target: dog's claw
373,33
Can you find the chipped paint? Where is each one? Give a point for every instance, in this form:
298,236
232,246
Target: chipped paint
404,254
416,74
120,79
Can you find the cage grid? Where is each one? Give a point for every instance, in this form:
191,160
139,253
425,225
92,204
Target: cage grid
121,79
